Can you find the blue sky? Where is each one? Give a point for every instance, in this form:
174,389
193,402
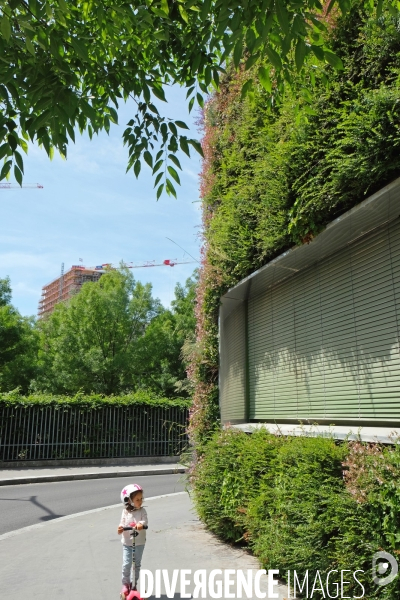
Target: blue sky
90,209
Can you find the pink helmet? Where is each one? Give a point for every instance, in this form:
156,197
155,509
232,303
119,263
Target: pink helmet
128,490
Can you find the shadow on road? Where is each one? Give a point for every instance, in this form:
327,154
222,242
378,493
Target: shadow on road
34,500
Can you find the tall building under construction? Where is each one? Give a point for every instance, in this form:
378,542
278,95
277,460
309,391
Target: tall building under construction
65,286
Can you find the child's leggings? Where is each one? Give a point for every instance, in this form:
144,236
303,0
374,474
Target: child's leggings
127,563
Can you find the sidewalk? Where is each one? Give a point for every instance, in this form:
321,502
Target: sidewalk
80,556
41,475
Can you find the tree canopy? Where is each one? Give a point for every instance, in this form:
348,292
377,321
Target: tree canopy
18,344
114,337
67,66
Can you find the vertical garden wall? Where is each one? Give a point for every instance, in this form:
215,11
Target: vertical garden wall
274,178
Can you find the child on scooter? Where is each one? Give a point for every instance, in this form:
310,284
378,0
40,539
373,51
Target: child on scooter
133,512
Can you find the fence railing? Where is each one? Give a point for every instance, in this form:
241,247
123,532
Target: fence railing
51,432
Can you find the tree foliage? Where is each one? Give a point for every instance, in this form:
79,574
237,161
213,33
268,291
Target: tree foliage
68,65
18,344
113,337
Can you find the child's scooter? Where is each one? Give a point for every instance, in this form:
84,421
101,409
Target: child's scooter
133,594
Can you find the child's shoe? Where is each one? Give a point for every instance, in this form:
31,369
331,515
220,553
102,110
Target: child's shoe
124,592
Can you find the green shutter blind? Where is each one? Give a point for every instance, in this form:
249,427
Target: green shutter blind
324,344
232,369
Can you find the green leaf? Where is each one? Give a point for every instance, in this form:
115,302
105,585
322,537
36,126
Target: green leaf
5,169
207,76
114,114
17,174
318,52
300,54
174,174
181,124
157,166
205,10
200,99
136,168
183,13
19,160
146,93
5,27
250,61
265,80
80,48
30,47
159,93
283,16
12,140
158,179
148,158
63,5
153,109
250,38
191,102
173,129
170,188
333,60
4,149
274,58
184,145
247,86
159,191
165,7
197,146
237,52
175,160
330,6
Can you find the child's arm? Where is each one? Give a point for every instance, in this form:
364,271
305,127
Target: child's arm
143,521
121,523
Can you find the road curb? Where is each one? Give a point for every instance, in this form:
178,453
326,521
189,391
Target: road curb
77,476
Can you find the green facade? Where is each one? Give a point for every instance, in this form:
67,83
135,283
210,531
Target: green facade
321,344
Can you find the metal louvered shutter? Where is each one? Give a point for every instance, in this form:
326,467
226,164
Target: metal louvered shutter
324,344
232,371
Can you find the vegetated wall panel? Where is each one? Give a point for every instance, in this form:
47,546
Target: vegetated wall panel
324,343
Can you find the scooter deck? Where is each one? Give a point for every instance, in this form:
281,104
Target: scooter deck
133,595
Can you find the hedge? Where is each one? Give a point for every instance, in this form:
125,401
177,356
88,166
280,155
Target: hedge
303,503
141,397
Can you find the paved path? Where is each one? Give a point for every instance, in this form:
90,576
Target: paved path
79,557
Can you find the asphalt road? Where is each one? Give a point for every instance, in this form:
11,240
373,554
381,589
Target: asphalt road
23,505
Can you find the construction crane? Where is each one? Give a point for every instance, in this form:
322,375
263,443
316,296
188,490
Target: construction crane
150,263
16,186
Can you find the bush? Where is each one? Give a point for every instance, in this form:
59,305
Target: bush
87,401
228,476
303,503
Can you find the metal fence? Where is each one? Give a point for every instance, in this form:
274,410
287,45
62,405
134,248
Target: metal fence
56,432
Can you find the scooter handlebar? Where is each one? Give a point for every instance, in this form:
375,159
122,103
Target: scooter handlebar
134,528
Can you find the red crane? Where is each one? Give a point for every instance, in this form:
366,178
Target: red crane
169,262
4,185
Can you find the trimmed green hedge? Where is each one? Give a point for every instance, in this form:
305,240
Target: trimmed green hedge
303,503
144,397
